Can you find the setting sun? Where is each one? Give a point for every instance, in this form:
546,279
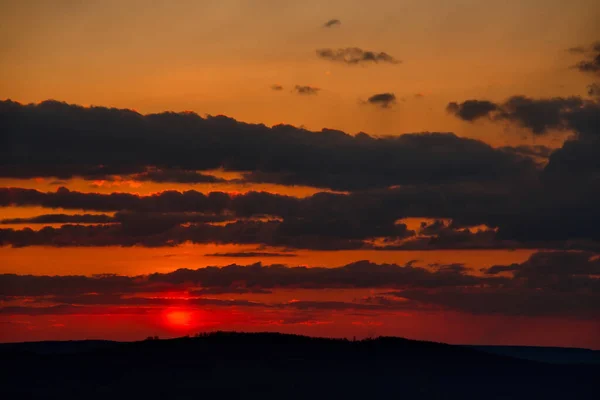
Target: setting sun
179,318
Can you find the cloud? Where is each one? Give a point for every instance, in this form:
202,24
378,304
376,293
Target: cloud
593,90
545,209
535,151
355,55
538,115
560,271
471,110
525,196
276,87
61,219
175,176
332,23
227,290
326,235
177,147
246,254
576,50
361,274
567,182
514,302
547,284
383,100
306,90
592,63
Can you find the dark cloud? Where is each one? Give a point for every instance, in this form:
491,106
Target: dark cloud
554,210
316,235
61,219
65,309
245,254
362,274
443,237
548,284
592,63
167,201
306,90
526,196
568,182
471,110
517,302
590,66
433,228
331,23
328,235
227,290
383,100
276,87
355,55
174,176
538,115
521,213
45,140
422,158
560,271
577,50
535,151
593,90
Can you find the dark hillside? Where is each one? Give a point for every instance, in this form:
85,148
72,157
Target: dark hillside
239,365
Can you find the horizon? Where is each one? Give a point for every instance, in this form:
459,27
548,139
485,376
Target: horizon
202,334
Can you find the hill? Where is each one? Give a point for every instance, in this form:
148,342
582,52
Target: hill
267,365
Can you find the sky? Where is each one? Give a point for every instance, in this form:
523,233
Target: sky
426,169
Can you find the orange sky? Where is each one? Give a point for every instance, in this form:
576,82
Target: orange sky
222,57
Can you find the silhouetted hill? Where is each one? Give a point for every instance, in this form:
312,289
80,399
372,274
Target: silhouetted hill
243,365
554,355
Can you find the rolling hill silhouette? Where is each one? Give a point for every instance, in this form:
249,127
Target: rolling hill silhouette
269,365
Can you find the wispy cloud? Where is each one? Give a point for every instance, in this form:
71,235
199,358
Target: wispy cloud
306,90
355,55
332,23
383,100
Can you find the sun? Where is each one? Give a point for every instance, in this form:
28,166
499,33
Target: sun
179,318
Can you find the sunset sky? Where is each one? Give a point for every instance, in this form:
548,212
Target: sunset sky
427,169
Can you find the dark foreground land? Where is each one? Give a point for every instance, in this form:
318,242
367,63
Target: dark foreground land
265,365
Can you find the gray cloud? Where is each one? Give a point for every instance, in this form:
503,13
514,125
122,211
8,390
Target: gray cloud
576,50
471,110
362,274
255,254
593,90
355,55
592,63
306,90
538,115
383,100
175,176
521,213
531,289
172,147
332,23
62,219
